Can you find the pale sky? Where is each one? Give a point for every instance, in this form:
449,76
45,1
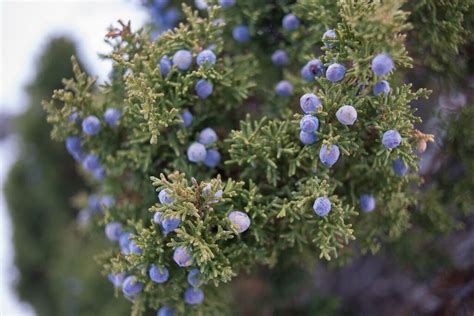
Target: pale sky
25,27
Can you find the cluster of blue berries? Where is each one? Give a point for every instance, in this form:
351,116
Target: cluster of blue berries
164,17
197,151
95,205
183,59
91,126
309,124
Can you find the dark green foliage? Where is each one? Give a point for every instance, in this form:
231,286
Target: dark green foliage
51,254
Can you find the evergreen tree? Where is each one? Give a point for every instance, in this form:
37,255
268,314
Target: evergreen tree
274,134
51,254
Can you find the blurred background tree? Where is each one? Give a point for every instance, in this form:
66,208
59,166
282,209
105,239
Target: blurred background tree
57,275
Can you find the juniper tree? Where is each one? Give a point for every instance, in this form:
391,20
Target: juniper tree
250,135
38,190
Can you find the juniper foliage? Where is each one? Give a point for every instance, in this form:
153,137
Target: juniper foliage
266,171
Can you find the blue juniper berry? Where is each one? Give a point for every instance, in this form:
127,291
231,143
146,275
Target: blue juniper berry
335,72
280,57
203,88
284,88
187,118
314,68
196,152
193,296
346,114
322,206
206,56
207,136
183,59
131,286
308,138
367,202
112,116
165,196
241,33
91,125
182,257
239,220
309,123
329,157
380,87
309,102
113,230
382,64
213,158
290,22
165,65
328,36
391,139
158,274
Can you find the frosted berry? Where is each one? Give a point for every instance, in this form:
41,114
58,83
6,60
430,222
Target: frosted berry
399,167
99,173
329,156
284,88
91,125
107,200
206,57
91,162
196,152
187,118
183,59
207,136
74,147
113,231
74,117
240,221
157,218
116,279
309,102
280,57
381,86
309,124
182,257
328,36
391,139
382,64
165,196
201,4
133,248
131,286
170,224
335,72
193,296
346,114
194,278
112,116
308,138
290,22
165,65
226,3
158,275
367,202
314,68
213,158
166,311
203,88
322,206
124,242
241,33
